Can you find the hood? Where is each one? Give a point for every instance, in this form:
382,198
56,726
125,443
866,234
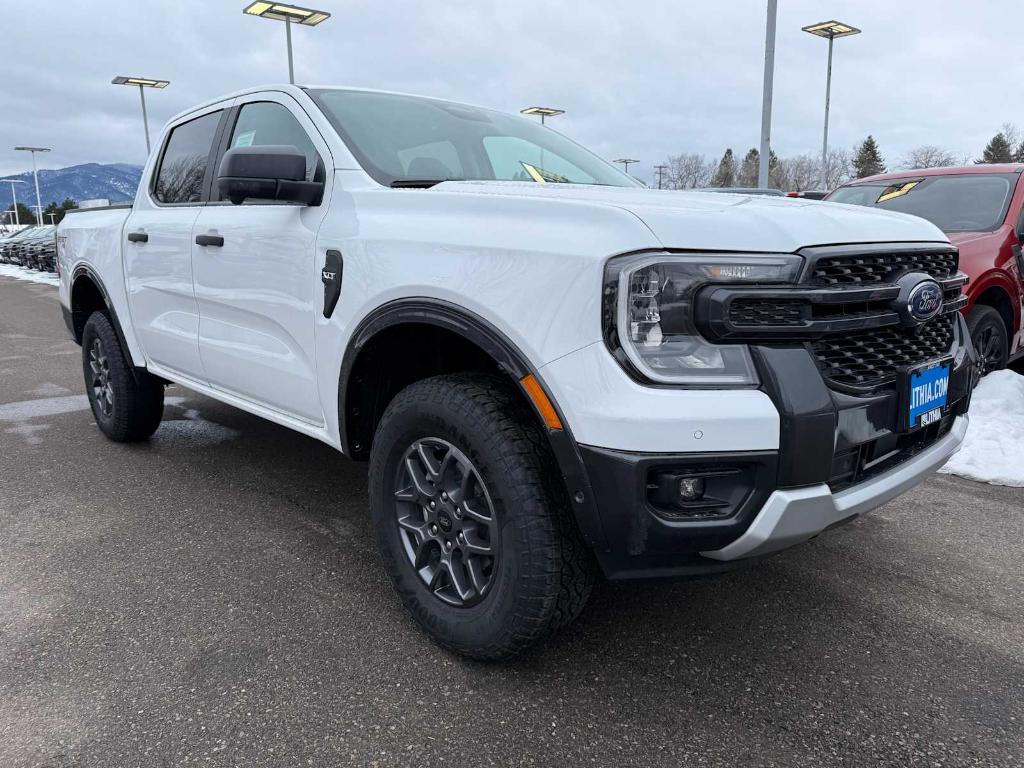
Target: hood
714,221
976,239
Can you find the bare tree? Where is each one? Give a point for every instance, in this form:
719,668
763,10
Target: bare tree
689,171
839,167
928,156
796,174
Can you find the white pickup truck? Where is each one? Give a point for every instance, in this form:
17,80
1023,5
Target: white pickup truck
553,371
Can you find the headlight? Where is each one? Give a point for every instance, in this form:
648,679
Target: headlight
648,314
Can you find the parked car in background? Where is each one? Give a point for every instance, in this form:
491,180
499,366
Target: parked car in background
33,248
11,248
809,194
981,209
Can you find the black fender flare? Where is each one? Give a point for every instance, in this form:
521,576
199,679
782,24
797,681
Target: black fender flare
510,360
79,322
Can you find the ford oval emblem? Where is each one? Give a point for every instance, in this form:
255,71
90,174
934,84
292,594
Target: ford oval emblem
925,301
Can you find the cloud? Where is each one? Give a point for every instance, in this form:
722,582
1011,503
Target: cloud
643,79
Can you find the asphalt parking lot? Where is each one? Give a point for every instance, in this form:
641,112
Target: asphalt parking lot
213,597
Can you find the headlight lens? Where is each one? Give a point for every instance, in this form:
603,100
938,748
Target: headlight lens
648,313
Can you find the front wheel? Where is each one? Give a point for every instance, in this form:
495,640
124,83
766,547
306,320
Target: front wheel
472,521
989,336
128,405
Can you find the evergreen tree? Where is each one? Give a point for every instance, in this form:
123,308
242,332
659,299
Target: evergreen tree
1018,156
25,216
748,169
868,160
998,150
58,210
725,176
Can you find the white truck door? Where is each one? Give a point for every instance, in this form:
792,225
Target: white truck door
257,281
157,247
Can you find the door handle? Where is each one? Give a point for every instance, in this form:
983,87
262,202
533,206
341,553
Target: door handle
215,241
331,277
138,237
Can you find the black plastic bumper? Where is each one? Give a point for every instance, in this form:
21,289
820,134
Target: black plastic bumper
826,437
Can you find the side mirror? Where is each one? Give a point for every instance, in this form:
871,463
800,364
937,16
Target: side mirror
271,172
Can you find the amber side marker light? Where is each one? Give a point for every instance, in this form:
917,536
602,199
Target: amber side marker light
541,401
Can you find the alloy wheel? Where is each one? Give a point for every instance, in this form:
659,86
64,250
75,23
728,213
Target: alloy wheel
446,522
102,390
988,343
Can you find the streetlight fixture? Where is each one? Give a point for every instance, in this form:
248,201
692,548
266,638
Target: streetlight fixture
626,162
307,17
14,195
830,30
544,112
142,83
35,175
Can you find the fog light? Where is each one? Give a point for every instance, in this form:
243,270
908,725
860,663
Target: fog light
691,489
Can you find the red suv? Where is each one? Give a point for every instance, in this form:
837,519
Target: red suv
979,207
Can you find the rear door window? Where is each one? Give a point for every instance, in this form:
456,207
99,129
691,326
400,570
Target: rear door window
185,160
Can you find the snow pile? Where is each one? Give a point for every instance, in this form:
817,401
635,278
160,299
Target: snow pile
20,273
991,452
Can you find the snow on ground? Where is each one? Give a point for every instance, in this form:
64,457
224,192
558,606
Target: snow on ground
991,451
20,273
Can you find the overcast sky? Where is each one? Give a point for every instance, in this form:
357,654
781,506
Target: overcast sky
643,79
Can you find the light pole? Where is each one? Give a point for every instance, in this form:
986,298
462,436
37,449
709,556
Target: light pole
626,162
14,195
307,17
142,83
52,216
830,30
544,112
35,175
661,173
766,95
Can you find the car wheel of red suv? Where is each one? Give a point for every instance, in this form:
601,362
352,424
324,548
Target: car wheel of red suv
988,332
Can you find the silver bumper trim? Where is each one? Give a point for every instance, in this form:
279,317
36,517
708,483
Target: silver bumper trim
789,517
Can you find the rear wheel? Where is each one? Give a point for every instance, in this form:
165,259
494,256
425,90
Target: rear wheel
128,405
990,338
472,522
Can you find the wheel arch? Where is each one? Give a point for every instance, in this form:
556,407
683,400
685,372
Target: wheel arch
416,326
998,298
88,294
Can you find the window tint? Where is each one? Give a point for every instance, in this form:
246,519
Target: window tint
521,160
437,160
409,138
264,123
183,167
957,203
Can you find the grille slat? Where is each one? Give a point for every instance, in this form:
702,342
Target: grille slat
881,267
872,358
755,312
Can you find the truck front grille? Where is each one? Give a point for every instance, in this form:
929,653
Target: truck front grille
872,358
881,267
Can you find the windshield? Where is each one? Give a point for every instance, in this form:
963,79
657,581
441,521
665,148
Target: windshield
974,202
408,138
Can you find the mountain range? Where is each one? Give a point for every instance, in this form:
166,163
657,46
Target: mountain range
115,182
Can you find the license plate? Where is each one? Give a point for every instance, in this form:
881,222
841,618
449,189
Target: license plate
927,393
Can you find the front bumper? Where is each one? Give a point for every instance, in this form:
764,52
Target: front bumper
792,516
819,459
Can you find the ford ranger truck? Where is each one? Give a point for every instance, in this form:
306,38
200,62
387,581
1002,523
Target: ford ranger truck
553,372
981,210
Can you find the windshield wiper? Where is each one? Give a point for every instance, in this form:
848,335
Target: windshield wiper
418,183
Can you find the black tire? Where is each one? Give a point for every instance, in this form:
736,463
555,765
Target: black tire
541,572
127,405
990,338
